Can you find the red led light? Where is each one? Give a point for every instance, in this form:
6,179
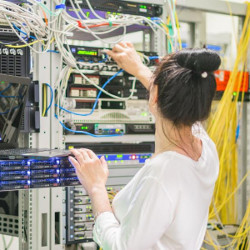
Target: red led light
133,157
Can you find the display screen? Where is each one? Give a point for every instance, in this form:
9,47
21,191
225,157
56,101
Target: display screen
87,52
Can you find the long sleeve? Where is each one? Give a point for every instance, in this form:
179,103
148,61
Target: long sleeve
148,216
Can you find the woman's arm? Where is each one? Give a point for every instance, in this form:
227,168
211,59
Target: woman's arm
127,58
148,216
149,213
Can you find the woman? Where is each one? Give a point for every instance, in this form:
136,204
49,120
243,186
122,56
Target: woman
166,204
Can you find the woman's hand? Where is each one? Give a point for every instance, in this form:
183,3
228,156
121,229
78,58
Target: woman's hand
92,172
128,59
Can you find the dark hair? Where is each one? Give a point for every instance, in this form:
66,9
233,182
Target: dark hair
184,95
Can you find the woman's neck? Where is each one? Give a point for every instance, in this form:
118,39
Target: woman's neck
181,140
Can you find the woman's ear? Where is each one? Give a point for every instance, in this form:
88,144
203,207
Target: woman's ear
154,94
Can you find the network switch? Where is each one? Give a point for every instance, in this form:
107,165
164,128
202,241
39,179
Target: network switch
110,129
53,172
133,8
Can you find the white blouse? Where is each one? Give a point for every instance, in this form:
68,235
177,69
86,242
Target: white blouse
165,205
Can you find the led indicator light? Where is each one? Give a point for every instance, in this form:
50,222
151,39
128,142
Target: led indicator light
28,172
84,128
28,182
133,157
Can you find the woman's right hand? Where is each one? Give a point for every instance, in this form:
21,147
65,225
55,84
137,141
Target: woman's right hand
128,59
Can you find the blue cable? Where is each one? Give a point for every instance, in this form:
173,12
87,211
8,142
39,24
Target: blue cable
53,51
153,57
22,31
97,98
84,132
91,112
51,99
6,112
9,85
9,96
237,132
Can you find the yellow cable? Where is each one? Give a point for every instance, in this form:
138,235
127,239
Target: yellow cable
23,45
44,100
178,31
222,127
29,44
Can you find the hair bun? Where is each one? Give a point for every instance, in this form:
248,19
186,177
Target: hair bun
198,60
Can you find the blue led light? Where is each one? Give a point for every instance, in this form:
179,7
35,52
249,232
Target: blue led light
57,162
28,172
57,180
58,171
28,182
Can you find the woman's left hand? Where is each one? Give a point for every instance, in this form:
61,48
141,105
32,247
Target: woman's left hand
92,172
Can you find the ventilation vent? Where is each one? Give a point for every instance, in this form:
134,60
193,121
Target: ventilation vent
14,62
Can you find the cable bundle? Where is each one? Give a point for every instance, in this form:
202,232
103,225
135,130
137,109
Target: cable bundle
27,23
223,128
98,27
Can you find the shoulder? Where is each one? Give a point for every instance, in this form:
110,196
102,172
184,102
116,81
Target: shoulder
199,131
166,167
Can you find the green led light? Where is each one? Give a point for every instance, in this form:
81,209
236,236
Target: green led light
86,52
2,81
119,156
84,128
144,114
143,6
234,93
87,14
